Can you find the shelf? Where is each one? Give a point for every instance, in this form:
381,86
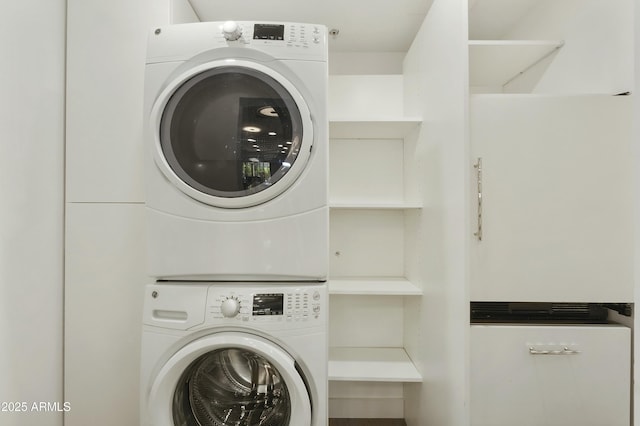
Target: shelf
372,128
371,365
373,286
494,63
373,206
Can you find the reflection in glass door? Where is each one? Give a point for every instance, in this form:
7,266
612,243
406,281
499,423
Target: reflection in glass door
231,131
231,387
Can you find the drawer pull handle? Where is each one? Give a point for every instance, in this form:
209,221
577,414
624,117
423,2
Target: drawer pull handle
563,351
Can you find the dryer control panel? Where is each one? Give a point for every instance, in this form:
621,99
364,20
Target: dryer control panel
266,304
286,34
280,40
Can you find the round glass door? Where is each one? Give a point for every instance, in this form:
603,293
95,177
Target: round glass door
229,379
230,134
231,387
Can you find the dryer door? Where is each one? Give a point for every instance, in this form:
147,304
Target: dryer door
230,379
232,134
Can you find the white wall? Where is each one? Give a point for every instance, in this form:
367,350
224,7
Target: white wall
437,324
31,212
365,63
105,240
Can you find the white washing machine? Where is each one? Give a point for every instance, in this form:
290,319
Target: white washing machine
233,354
237,144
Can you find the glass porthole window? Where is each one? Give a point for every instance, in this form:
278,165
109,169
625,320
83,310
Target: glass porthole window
231,131
231,387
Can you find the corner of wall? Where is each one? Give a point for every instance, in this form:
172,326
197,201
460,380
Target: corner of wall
182,12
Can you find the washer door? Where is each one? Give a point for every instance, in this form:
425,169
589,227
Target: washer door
231,133
230,379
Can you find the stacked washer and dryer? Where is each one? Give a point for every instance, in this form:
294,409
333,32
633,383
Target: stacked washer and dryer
235,325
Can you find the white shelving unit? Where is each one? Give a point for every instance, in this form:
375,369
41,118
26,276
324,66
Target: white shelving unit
382,128
371,365
374,206
369,201
374,286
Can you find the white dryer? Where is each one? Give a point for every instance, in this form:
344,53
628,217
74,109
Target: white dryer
237,143
234,354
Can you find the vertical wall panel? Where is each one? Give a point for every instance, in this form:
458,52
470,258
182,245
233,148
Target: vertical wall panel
31,212
105,280
105,84
636,168
105,238
105,68
436,325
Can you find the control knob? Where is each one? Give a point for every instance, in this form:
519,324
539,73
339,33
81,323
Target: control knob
230,307
231,30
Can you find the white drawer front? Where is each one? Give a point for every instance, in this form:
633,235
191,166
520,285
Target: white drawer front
550,375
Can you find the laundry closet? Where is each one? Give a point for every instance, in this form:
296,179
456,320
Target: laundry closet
493,162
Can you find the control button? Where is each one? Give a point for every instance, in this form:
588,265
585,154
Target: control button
231,30
316,309
230,307
316,295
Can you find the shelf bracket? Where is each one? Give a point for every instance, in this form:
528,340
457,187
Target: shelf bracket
545,56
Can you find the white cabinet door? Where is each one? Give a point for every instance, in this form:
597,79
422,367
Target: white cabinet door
584,379
557,198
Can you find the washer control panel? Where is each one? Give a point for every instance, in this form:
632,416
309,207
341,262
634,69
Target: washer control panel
265,304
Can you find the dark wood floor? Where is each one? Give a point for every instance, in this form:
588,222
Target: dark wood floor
367,422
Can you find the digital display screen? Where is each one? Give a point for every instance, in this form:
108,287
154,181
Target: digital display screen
268,304
268,32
